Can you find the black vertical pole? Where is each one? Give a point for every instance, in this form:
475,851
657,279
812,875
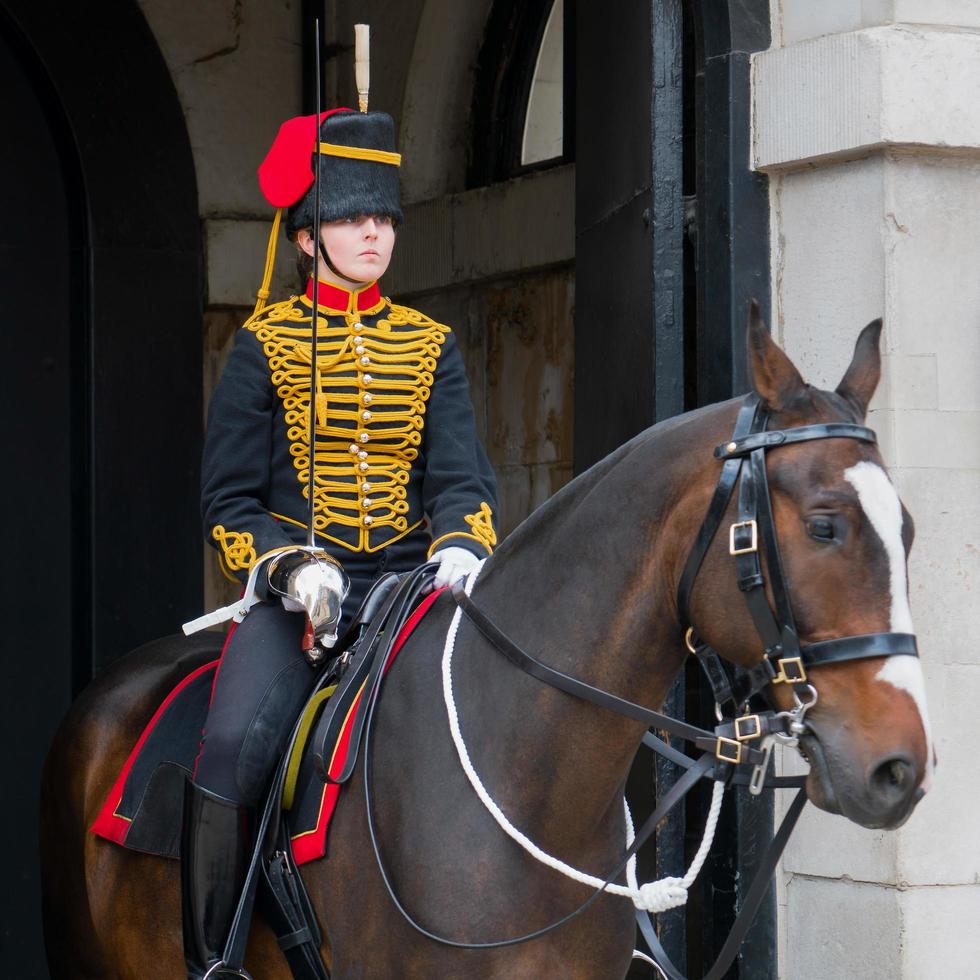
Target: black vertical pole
629,287
733,265
667,156
667,225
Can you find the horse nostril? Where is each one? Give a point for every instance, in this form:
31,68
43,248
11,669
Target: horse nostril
893,779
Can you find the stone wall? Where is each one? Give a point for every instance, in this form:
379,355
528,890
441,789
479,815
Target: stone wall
868,122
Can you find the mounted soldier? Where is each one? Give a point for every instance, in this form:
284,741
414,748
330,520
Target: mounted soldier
379,396
398,477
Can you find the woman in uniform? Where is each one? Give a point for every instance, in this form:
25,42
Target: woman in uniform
400,476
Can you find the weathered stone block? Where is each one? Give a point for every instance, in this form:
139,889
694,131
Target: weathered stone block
910,381
940,845
529,370
235,259
940,941
837,929
944,567
823,294
932,213
943,440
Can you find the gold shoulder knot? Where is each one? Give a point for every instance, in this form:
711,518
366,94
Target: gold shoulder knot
237,547
481,524
481,530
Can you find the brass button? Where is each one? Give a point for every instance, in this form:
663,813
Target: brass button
365,487
362,466
365,360
366,415
363,437
367,379
366,502
358,327
368,520
359,349
353,448
362,454
368,398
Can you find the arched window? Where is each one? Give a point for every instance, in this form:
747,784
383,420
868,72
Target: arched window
523,111
543,115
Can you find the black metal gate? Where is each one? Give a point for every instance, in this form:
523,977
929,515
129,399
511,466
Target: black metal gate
672,240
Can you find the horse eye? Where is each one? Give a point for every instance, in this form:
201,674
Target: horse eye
821,528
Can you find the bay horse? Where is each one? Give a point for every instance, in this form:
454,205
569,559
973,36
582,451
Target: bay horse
588,583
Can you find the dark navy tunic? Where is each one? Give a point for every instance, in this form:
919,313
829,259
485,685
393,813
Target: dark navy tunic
396,452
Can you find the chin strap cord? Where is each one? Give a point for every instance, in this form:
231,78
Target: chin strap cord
654,896
262,296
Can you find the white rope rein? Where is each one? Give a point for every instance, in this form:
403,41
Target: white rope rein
654,896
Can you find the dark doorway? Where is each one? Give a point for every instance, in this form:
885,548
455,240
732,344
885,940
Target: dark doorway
44,495
100,272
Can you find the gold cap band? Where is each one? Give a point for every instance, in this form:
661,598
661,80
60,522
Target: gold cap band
359,153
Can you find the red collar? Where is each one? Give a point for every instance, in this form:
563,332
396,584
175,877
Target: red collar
337,298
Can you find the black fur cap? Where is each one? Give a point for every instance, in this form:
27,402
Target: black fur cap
352,187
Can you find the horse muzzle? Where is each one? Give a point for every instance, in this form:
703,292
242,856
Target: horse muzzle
879,795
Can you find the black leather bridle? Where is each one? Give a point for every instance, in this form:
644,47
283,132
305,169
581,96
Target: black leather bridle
785,661
728,750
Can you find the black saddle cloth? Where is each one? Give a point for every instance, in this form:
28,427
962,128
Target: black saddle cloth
143,810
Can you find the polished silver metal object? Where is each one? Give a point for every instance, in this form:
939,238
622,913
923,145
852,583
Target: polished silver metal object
314,582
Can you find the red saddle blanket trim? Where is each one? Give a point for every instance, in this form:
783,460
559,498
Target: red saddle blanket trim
312,844
307,845
109,824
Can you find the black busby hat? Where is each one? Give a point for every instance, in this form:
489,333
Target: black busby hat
356,171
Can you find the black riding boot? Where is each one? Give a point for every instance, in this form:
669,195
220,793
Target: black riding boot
213,864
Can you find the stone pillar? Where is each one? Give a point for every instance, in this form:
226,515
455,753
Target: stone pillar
867,119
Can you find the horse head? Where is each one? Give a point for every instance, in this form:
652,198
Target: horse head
843,538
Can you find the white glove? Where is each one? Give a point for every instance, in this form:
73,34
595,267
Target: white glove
454,564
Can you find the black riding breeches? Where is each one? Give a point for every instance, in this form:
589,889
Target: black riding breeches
261,684
263,681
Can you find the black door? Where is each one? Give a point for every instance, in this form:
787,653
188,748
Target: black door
44,492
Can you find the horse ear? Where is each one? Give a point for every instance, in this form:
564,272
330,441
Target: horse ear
862,376
774,376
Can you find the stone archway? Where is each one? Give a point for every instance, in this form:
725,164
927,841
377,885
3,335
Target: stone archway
435,131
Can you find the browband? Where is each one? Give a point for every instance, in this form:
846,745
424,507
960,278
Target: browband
802,433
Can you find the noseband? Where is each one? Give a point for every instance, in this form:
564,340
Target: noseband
727,751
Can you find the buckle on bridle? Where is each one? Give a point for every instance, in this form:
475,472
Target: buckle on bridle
791,671
728,750
753,544
748,727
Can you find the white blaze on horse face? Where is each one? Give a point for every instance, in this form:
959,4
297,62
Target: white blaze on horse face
884,512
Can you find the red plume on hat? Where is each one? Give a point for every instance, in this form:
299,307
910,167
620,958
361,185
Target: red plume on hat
357,161
286,173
